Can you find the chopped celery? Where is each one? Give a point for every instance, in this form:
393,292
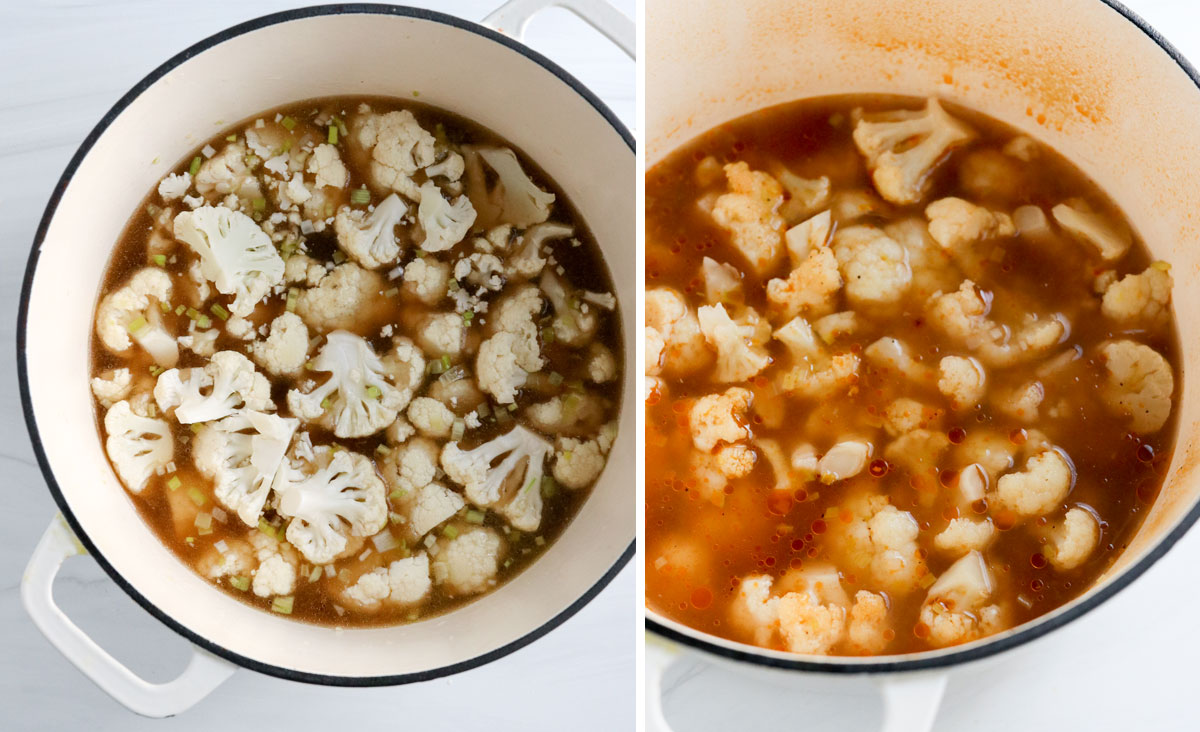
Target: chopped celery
450,532
383,449
283,605
193,313
360,195
539,540
174,482
445,361
196,496
165,307
135,326
453,286
288,123
338,257
267,529
195,166
548,335
155,370
240,583
456,432
468,316
292,296
203,520
190,541
556,378
203,321
325,403
219,311
549,487
392,292
373,392
260,204
315,574
160,260
475,517
231,138
180,310
398,495
333,134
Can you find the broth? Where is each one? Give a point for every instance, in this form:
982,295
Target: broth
178,500
714,543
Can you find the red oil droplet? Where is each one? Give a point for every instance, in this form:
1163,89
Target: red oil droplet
818,526
1145,453
812,552
796,563
779,503
947,477
957,435
1005,519
769,561
797,545
921,630
1036,584
980,506
846,515
889,635
800,495
878,467
1037,560
702,597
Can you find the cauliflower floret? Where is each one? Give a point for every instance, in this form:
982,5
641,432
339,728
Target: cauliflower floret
241,455
574,323
954,609
571,415
285,350
411,465
671,322
1073,540
900,169
300,268
328,499
740,354
811,288
363,393
718,418
867,632
722,282
427,280
804,195
750,213
1039,489
467,564
339,298
601,364
404,582
230,380
992,451
577,463
136,445
398,148
809,618
427,507
821,380
370,239
226,173
444,223
1139,384
989,174
507,358
528,259
175,186
236,255
844,460
327,166
491,487
515,199
962,381
201,342
957,224
962,315
442,334
808,235
918,451
276,573
963,535
1108,238
430,417
112,386
1022,402
892,354
1139,298
874,265
451,167
735,461
905,415
896,564
237,559
133,311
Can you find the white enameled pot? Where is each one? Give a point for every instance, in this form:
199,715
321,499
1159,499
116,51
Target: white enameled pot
1085,76
466,68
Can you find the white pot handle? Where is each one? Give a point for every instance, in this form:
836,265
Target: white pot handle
204,672
910,704
512,17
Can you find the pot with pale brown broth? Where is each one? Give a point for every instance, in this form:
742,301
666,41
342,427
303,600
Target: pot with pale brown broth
357,361
909,378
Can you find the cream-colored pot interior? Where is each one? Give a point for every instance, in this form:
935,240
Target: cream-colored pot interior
453,68
1076,74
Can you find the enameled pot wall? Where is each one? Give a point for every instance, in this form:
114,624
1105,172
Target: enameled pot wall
1084,76
453,64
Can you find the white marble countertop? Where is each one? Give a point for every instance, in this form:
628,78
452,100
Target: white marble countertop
1128,665
67,61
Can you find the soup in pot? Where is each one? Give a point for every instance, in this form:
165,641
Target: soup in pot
909,378
357,361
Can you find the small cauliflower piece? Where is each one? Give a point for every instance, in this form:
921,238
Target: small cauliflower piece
300,269
467,564
427,507
809,617
226,173
875,267
236,255
844,460
896,564
201,342
411,465
329,499
808,235
137,445
528,258
175,186
601,364
336,302
735,461
237,559
962,315
574,324
231,384
506,359
721,417
578,463
956,224
404,582
430,417
519,501
740,354
963,535
1109,239
867,630
1046,480
749,212
370,238
1138,384
241,454
1021,403
900,169
112,386
276,572
905,415
445,223
836,325
892,354
962,381
327,167
570,415
1073,540
804,195
675,344
1139,299
427,280
363,394
398,147
132,314
954,609
285,350
515,199
722,282
811,288
918,451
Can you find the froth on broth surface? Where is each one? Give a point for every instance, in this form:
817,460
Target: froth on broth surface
423,288
909,378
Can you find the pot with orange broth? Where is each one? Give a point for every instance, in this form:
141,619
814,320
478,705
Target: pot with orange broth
909,378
